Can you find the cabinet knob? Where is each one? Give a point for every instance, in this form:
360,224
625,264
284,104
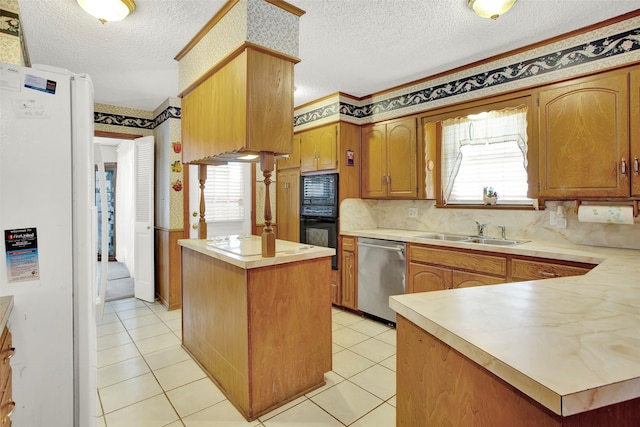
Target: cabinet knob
194,226
194,214
623,167
636,166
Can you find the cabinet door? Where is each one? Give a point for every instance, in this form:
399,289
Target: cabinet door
424,278
288,205
584,138
634,157
318,148
326,142
293,202
307,151
293,161
402,146
374,154
463,279
349,296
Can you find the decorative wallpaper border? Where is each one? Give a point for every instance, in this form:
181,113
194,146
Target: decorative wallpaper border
518,72
600,49
137,122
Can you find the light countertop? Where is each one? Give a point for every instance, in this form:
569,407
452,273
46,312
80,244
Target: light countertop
245,251
570,343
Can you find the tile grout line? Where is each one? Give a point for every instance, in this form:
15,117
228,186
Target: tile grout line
104,415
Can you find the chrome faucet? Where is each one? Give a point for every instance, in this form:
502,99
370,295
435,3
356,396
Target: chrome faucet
503,231
481,228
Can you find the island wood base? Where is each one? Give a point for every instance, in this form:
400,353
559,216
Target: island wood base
262,334
438,386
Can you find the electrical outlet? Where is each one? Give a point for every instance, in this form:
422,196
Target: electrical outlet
413,212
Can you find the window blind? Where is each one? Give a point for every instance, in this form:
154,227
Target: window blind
224,193
487,152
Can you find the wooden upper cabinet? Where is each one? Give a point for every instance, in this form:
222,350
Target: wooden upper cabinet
318,149
389,160
293,161
374,154
584,138
245,106
634,158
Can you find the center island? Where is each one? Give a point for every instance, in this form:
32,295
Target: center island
259,327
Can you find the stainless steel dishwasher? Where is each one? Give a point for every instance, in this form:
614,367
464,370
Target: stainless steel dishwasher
381,273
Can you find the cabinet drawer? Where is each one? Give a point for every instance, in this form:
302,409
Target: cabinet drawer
349,244
522,269
459,260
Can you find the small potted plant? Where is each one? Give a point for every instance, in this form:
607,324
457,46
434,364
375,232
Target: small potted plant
489,196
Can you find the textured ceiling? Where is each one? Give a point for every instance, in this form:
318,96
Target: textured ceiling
355,46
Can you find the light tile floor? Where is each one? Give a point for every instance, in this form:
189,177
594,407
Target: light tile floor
145,378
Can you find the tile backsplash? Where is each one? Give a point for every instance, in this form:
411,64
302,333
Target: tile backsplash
358,214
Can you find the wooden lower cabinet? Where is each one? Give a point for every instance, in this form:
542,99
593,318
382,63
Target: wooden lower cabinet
167,267
463,279
349,273
433,269
436,268
7,404
425,278
336,288
262,334
438,386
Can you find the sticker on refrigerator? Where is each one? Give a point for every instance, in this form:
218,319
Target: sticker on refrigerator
39,83
21,246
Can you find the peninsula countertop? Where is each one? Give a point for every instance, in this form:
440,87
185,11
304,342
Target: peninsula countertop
572,343
245,251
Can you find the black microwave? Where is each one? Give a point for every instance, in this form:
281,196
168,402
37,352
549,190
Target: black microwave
319,195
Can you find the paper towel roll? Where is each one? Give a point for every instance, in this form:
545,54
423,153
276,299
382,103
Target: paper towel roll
606,214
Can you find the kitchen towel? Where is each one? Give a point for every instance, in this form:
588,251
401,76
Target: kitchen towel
605,214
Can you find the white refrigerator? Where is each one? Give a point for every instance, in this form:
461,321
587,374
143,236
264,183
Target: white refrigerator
47,192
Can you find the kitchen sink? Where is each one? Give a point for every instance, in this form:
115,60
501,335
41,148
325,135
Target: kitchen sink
440,236
495,242
472,239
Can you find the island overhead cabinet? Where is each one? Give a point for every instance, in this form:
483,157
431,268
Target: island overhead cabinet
260,327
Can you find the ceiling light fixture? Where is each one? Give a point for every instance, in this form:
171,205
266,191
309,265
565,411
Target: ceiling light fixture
490,8
108,10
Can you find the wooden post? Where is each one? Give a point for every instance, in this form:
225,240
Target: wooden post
202,223
268,237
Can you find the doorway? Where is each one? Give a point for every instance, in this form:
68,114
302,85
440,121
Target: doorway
110,170
129,167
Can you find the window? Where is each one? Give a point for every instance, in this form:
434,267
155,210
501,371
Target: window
224,193
487,151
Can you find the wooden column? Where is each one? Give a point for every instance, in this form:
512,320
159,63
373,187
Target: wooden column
268,236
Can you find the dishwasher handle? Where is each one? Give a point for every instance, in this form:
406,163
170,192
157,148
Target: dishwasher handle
388,248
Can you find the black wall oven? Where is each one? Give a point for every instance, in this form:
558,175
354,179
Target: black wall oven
319,211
